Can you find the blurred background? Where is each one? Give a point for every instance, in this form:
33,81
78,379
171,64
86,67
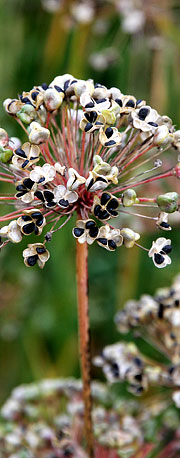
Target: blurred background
131,44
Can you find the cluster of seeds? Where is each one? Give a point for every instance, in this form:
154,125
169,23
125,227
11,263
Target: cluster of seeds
86,138
157,320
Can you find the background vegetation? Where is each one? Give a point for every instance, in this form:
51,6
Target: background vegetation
38,324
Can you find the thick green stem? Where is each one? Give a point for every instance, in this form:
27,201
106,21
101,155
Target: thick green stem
84,339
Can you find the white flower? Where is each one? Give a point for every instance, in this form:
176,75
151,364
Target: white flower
129,237
64,197
145,118
12,232
162,221
101,175
159,252
43,174
53,98
26,155
110,137
75,180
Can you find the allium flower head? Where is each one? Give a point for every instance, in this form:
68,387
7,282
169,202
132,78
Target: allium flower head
84,145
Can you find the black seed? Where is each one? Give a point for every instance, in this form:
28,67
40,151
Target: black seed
101,100
165,225
90,224
90,184
58,89
50,204
44,86
34,95
28,228
69,451
40,221
105,198
101,179
63,203
160,311
167,249
21,187
73,81
36,230
115,369
28,183
25,163
177,303
171,369
102,240
26,100
143,112
112,205
20,152
40,250
93,232
91,117
138,102
112,244
110,143
103,215
97,209
78,231
20,194
113,213
26,218
88,127
98,85
137,361
130,103
41,180
154,124
138,377
89,105
35,215
31,260
159,259
39,195
98,123
139,389
119,101
48,195
66,84
109,132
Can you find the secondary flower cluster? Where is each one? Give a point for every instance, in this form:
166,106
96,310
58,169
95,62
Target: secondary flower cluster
86,138
157,320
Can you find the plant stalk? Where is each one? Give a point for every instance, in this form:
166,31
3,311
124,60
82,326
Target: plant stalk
84,340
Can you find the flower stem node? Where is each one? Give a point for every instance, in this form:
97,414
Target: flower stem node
129,237
129,198
86,231
168,202
159,252
36,253
38,134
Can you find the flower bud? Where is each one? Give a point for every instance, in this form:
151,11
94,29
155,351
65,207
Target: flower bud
5,154
129,237
161,136
129,198
168,202
53,98
27,114
38,134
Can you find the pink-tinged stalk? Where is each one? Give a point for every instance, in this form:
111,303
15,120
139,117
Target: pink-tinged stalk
84,340
159,177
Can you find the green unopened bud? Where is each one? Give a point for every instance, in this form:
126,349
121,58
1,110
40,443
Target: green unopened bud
5,154
129,237
168,202
27,114
111,113
129,198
